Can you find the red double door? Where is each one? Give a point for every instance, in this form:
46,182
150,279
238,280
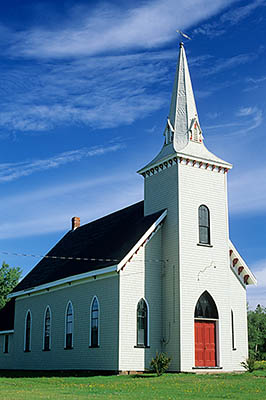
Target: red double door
205,348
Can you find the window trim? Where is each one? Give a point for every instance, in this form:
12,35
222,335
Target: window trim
6,346
211,302
25,331
233,330
72,338
147,344
98,333
200,243
50,333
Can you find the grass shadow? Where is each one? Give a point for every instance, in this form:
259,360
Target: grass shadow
54,373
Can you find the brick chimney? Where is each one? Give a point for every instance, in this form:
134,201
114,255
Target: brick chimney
75,223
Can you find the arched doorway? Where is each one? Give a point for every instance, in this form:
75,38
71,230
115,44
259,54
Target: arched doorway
205,317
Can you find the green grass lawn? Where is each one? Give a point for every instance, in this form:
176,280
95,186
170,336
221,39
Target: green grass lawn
142,387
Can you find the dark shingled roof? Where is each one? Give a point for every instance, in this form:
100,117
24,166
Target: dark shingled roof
110,237
7,314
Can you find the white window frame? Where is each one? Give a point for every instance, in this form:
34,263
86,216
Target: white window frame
209,225
99,325
148,322
50,337
25,329
72,343
4,343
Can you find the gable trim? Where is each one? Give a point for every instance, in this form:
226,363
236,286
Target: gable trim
73,278
141,242
183,158
239,267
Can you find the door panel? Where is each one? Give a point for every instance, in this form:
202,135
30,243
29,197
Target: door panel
205,349
199,344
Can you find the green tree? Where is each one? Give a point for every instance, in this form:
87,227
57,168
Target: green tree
9,277
257,333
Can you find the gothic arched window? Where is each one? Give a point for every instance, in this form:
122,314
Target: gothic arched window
142,323
27,342
206,307
47,330
94,336
204,225
233,330
69,327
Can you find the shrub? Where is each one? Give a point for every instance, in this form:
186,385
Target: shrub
249,364
160,363
260,365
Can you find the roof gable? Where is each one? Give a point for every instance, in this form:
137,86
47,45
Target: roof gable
106,240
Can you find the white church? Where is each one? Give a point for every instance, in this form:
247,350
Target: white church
160,275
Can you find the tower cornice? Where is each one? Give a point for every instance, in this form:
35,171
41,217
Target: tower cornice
174,159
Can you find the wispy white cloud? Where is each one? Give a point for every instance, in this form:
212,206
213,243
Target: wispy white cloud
257,80
96,92
38,98
247,192
13,171
255,115
249,118
257,294
91,88
224,64
55,205
105,27
213,115
230,18
254,83
246,111
259,269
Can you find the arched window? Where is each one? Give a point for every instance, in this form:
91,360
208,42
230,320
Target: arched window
233,330
47,330
204,225
69,327
94,335
27,341
142,323
206,307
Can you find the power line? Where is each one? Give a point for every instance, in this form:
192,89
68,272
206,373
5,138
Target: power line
73,258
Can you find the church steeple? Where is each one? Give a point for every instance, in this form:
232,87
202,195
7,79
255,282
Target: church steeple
183,135
182,123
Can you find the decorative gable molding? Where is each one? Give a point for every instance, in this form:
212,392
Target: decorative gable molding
189,161
239,267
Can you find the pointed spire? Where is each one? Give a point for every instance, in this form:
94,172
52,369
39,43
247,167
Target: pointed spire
183,123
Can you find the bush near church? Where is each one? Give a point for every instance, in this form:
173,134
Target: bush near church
160,363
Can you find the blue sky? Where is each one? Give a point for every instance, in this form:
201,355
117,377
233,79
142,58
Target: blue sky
85,89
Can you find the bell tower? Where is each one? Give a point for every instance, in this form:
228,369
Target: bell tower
184,178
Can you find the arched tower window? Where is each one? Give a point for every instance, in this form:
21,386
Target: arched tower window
94,336
27,342
69,327
204,225
206,307
47,330
233,330
142,323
